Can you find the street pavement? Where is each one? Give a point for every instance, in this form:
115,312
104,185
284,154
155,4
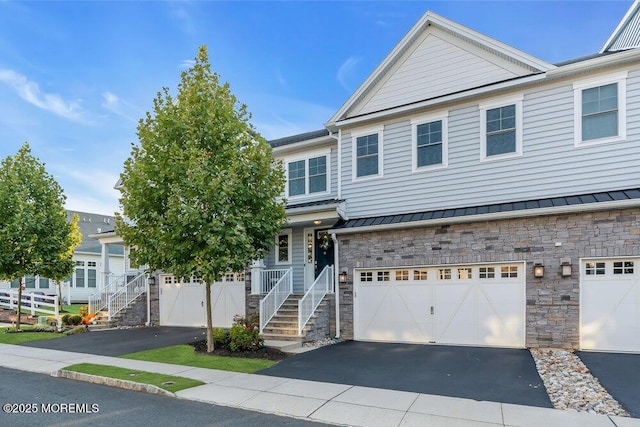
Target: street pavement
331,403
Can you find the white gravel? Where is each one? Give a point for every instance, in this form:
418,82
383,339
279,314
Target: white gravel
570,384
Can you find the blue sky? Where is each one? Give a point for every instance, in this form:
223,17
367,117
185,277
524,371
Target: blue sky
75,77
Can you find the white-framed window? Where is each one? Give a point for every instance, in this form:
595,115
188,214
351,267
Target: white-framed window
508,271
308,175
367,153
366,276
283,249
487,272
465,273
595,268
623,267
444,273
501,129
600,109
421,274
429,139
402,275
383,276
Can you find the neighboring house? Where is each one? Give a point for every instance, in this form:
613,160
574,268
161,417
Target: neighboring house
477,195
466,193
90,263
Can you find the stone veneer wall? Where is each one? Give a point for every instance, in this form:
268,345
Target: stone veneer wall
552,309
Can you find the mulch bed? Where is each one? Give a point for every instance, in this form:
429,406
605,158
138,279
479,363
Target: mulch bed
267,353
9,316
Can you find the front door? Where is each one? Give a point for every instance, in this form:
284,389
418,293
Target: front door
323,251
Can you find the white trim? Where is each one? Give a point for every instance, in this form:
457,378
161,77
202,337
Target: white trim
419,120
621,25
497,103
579,86
358,133
339,163
591,207
289,233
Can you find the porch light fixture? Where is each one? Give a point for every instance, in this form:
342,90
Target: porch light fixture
152,280
538,271
342,277
317,222
566,269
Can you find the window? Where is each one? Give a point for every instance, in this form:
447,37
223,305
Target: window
367,153
464,273
366,276
283,247
444,273
594,268
79,277
402,274
307,176
509,271
91,278
487,272
430,142
600,109
420,275
501,129
383,276
625,267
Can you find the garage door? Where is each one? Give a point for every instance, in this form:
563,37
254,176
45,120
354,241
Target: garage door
480,305
183,304
610,304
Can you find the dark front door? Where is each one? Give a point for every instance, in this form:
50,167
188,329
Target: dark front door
324,251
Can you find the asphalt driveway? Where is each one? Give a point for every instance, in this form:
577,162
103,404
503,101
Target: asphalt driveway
491,374
619,374
116,342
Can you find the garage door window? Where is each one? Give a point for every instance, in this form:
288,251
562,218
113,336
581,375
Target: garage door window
366,276
464,273
487,272
383,276
420,275
444,273
402,274
509,271
621,267
594,268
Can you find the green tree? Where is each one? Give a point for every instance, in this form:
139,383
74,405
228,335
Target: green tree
200,191
35,237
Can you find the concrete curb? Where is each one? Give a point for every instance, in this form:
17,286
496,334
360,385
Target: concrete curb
112,382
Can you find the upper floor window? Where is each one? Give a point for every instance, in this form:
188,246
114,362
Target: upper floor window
367,153
501,129
307,176
429,142
600,109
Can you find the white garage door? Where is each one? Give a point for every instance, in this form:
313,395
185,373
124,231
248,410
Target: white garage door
183,304
480,305
610,304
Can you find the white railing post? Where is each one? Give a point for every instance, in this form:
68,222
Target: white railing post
33,304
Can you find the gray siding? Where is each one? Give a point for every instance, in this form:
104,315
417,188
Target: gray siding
332,169
551,165
439,64
298,254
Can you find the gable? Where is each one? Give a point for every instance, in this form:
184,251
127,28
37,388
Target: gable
627,33
437,57
437,64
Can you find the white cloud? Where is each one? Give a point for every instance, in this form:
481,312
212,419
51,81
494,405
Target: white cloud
120,107
346,73
30,92
82,203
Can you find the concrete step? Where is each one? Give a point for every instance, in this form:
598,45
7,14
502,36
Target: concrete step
280,331
280,337
286,346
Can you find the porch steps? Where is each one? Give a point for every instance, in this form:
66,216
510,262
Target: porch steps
284,325
123,318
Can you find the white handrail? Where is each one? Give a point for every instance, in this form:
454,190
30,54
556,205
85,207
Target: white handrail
100,299
271,303
125,295
313,297
270,278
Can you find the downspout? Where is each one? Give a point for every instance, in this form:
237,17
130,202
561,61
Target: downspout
146,279
336,281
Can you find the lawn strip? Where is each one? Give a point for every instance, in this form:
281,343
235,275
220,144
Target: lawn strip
185,355
166,382
25,336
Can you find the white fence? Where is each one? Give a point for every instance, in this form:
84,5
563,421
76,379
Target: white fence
45,305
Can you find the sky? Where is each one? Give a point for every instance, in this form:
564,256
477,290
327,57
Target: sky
76,76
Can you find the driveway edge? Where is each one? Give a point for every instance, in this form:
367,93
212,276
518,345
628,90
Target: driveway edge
112,382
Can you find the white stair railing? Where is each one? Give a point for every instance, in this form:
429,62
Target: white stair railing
127,294
313,297
270,278
271,303
100,299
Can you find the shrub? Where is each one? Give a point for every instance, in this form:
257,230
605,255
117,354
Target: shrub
84,310
65,319
220,337
74,319
245,335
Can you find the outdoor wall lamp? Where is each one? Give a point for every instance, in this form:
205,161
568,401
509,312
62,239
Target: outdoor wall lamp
538,271
342,277
566,269
151,280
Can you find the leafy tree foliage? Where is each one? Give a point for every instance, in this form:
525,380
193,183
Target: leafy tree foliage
35,237
200,191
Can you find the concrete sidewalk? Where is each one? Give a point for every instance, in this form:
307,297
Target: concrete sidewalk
322,402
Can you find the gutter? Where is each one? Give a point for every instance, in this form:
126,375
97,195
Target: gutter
336,280
622,204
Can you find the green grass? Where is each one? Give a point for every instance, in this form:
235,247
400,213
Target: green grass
71,309
158,380
20,337
185,355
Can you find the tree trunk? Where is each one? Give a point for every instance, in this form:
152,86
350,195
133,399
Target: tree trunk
19,303
210,346
59,286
